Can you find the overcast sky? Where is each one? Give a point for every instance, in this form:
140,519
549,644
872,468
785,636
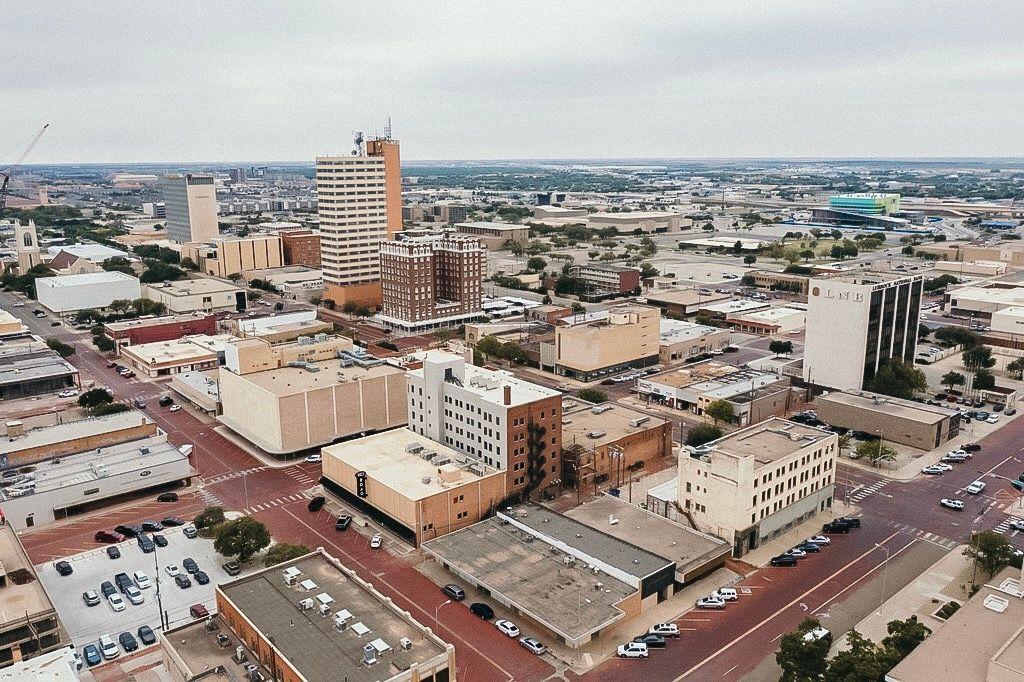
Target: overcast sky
285,81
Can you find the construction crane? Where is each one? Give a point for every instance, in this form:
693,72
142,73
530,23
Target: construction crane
17,162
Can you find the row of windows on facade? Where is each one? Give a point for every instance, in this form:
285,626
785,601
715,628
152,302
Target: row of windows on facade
817,454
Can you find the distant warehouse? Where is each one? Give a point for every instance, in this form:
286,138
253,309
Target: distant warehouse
71,293
918,425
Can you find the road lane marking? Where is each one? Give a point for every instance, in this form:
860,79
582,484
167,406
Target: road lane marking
887,559
771,617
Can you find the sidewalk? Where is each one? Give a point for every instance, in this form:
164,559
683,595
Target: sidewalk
267,460
923,597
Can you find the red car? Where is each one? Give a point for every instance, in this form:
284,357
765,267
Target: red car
109,536
198,611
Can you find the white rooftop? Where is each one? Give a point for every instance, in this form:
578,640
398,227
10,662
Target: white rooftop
94,253
773,314
67,281
82,429
735,306
673,331
492,226
487,383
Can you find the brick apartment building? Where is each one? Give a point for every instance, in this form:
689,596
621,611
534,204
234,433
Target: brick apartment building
301,247
431,281
153,329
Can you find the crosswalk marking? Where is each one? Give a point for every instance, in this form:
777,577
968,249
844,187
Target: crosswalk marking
264,506
1005,525
231,475
868,490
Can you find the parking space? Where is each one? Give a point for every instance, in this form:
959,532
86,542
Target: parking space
86,623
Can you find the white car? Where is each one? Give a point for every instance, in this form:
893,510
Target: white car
993,419
632,650
1017,524
377,541
933,471
507,627
952,504
798,553
172,570
313,459
69,393
175,407
142,580
134,595
19,305
108,647
975,488
710,602
956,453
943,466
819,540
116,602
726,594
664,629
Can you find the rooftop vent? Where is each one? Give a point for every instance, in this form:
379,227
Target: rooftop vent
600,409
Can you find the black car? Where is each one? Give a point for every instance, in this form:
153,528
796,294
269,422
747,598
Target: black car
128,642
146,635
182,581
190,565
481,610
165,400
232,568
201,578
159,540
167,497
113,552
832,528
123,581
317,503
145,544
172,520
971,447
809,547
343,522
63,568
152,526
783,560
653,641
851,521
107,588
129,531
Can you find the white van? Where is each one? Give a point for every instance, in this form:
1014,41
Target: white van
726,594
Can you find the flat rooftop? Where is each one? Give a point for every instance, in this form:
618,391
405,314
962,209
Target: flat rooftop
291,380
489,383
74,430
484,225
179,350
95,253
735,306
88,278
193,287
1010,296
17,600
867,278
675,331
385,458
568,599
975,640
579,420
108,461
894,407
310,642
141,322
710,376
629,216
771,314
688,548
684,297
769,441
33,366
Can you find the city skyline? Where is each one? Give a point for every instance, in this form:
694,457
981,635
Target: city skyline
799,80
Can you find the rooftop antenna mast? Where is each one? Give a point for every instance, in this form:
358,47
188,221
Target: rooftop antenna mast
358,151
387,130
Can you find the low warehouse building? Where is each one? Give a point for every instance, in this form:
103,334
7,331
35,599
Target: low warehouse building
70,293
153,329
188,354
918,425
57,435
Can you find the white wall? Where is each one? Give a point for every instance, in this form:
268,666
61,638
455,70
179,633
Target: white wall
837,328
63,299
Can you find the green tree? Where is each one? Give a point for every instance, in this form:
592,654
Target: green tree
984,380
241,538
234,276
189,264
720,411
316,300
952,379
94,398
807,254
578,308
802,660
536,264
837,252
159,271
118,264
904,636
898,379
444,335
62,349
875,451
956,336
109,408
209,517
737,247
862,661
780,347
750,259
489,346
844,441
978,357
592,395
282,552
923,331
103,343
990,551
1016,368
702,433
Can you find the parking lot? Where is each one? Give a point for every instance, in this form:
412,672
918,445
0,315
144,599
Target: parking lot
86,623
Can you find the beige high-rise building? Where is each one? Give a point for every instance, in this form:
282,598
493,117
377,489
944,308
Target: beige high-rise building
360,205
191,205
226,256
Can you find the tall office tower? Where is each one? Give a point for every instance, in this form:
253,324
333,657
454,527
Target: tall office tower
855,324
237,175
26,245
432,281
191,205
360,205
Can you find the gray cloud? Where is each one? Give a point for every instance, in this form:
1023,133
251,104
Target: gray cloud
286,81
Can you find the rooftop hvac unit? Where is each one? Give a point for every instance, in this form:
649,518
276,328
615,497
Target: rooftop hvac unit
639,421
369,654
428,455
305,604
405,643
304,341
325,609
413,447
595,434
320,338
144,450
441,461
425,480
240,654
600,409
569,560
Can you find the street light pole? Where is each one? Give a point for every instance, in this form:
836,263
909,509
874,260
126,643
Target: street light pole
885,570
444,603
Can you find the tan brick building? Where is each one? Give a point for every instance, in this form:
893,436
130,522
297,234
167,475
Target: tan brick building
628,337
229,255
301,247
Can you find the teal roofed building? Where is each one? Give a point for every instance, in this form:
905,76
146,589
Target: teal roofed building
866,203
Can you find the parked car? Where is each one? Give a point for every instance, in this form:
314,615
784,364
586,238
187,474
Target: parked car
116,602
172,570
129,531
975,488
201,578
92,655
107,588
190,531
122,581
632,650
113,552
532,645
1010,411
376,541
190,565
313,459
726,594
167,497
664,629
933,471
1017,524
231,568
507,627
820,540
108,536
159,540
317,503
818,633
172,520
142,580
794,552
90,598
182,581
152,526
134,595
145,544
952,504
343,522
652,641
198,611
481,610
146,635
971,447
784,560
454,591
851,521
710,602
809,547
63,568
